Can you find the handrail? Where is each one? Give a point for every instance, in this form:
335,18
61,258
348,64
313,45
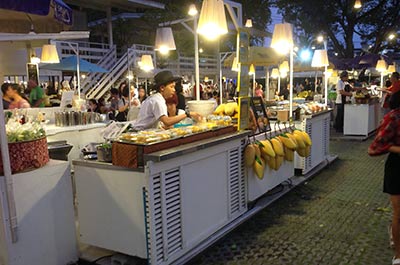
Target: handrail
106,62
119,69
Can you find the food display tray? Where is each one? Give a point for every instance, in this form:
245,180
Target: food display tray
130,154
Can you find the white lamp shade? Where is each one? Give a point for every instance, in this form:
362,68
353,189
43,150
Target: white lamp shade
391,68
206,79
249,23
320,58
284,67
164,40
146,63
235,65
252,70
275,73
357,4
381,66
193,10
49,54
212,21
282,38
283,74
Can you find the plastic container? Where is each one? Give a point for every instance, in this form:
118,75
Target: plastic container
203,107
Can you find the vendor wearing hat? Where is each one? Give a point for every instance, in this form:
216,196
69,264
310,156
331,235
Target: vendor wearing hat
343,94
154,109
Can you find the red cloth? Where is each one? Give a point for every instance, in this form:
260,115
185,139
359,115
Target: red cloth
388,134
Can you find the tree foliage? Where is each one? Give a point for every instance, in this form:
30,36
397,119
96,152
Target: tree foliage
340,21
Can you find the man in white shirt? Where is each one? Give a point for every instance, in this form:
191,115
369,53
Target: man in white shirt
341,98
154,109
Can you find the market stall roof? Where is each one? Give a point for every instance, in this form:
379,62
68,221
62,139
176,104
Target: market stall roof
19,16
368,60
127,5
19,40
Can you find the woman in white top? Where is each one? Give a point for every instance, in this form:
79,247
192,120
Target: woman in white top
154,109
342,95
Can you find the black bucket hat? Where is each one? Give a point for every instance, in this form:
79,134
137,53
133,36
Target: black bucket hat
164,78
344,74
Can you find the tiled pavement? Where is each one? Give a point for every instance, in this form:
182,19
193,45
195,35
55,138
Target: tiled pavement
340,216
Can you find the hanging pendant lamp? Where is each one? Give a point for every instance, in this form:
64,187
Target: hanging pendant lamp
164,40
49,54
212,21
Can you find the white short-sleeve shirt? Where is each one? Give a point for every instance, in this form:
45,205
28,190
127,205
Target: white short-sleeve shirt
151,110
340,86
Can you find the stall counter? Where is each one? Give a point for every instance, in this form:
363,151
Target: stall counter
161,212
78,136
45,217
361,119
318,127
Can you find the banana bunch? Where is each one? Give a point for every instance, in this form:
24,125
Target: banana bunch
229,109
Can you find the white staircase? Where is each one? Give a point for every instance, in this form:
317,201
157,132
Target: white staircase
107,62
119,70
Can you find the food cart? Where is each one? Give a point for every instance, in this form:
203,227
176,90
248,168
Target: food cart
362,118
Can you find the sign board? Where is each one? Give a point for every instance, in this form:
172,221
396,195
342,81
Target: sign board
244,105
32,71
260,114
244,81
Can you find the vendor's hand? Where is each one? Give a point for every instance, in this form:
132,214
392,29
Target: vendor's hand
196,116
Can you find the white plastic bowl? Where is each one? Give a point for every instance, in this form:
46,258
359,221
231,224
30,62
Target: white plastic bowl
203,107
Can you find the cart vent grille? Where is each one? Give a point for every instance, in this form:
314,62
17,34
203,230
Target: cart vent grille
243,189
308,160
157,222
167,216
173,211
236,181
326,136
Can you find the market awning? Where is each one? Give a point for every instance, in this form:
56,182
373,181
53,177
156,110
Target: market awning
70,64
259,56
21,16
126,5
368,60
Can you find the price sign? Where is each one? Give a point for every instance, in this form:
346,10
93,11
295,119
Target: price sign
260,114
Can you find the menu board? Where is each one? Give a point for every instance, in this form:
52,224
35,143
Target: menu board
244,81
32,72
260,114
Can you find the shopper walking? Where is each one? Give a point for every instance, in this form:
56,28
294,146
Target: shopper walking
387,140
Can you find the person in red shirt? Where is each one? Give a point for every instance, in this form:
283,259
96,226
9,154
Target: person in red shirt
395,80
387,140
